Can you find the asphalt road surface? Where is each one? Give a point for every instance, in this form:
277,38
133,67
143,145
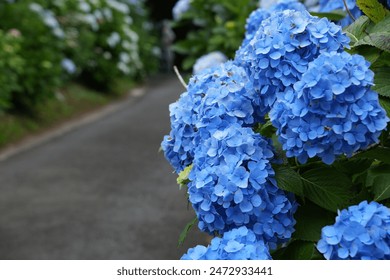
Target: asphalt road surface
100,191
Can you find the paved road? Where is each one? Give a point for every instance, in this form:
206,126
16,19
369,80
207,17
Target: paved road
101,191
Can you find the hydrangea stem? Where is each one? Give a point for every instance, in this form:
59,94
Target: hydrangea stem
179,77
348,11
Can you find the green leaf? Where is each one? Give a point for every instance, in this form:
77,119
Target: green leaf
182,47
381,187
288,179
364,193
184,233
363,32
296,250
373,9
356,30
385,103
382,26
182,179
310,220
266,129
378,153
378,179
188,63
380,40
353,165
327,187
382,81
370,53
382,61
335,15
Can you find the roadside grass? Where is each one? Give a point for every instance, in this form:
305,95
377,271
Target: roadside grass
70,102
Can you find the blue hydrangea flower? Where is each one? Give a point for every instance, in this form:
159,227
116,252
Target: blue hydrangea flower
237,244
223,92
331,111
282,48
208,61
361,232
266,9
69,66
328,6
180,8
232,184
232,180
179,145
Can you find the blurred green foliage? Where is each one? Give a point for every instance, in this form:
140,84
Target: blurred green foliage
46,43
11,64
40,51
213,25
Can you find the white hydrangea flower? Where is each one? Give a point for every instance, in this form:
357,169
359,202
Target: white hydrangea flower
114,39
180,7
209,60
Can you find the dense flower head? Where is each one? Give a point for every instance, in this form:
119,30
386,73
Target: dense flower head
331,111
282,48
232,185
238,244
361,232
208,61
328,6
180,8
266,9
215,94
231,181
179,145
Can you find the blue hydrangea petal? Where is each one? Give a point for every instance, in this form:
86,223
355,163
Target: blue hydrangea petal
358,229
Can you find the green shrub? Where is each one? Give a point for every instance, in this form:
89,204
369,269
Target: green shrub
96,41
213,25
40,49
11,65
104,38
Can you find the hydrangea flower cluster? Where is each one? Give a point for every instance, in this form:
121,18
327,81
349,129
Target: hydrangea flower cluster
237,244
217,93
282,48
179,145
331,111
266,9
361,232
328,6
208,60
119,48
291,66
231,182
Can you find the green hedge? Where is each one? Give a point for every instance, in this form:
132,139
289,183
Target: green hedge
44,44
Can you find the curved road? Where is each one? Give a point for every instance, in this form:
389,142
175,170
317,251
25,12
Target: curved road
100,191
